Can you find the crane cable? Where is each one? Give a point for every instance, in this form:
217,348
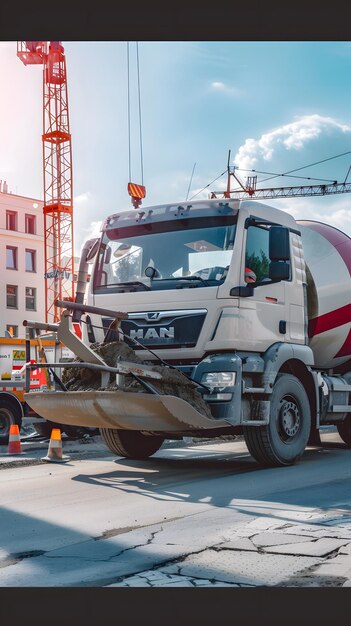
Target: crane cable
297,169
129,114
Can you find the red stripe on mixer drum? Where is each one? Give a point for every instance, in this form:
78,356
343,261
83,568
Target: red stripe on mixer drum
330,320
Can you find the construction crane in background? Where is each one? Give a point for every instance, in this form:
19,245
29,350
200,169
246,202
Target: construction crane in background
57,168
250,190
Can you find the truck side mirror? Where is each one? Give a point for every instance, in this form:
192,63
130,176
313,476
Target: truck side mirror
107,256
279,246
279,270
92,250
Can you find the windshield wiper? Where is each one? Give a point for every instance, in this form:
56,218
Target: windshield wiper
184,278
133,282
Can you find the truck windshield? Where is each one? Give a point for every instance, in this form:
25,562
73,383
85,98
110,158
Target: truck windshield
196,253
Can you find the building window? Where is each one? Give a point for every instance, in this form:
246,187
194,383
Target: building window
30,224
12,296
11,258
30,261
12,330
11,220
31,299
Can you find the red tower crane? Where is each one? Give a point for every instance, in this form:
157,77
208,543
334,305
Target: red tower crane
57,168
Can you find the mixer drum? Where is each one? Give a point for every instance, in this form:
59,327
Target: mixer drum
327,252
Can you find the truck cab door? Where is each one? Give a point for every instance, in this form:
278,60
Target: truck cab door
264,314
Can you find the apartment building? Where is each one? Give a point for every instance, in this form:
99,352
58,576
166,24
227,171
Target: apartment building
21,262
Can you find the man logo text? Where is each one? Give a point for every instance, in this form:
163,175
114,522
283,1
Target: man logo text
153,333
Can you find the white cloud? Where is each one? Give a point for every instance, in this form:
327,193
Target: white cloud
82,198
333,210
93,230
292,136
219,86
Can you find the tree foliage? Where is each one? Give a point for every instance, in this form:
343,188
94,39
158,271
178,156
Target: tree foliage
259,264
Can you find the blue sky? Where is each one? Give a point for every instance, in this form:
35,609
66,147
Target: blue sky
276,105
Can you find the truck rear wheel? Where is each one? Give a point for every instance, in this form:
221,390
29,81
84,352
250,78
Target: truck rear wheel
10,413
344,430
131,443
283,440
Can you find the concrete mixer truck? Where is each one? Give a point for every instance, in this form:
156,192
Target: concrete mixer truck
251,306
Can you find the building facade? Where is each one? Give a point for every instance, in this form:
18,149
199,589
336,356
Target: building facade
22,285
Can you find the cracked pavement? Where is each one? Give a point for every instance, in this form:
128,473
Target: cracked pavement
204,516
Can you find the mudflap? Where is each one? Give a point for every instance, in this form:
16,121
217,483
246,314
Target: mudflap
120,409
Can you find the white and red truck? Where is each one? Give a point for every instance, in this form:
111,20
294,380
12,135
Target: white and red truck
272,358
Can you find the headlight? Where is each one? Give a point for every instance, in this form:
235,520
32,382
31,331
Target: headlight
218,380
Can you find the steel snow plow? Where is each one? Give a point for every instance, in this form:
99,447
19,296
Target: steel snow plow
121,409
128,400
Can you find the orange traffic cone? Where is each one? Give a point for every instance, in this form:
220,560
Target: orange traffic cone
55,448
14,446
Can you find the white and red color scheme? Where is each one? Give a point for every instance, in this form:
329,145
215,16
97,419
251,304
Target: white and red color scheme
327,252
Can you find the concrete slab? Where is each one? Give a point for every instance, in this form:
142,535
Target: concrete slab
243,543
338,567
318,547
345,549
258,524
242,567
318,531
271,539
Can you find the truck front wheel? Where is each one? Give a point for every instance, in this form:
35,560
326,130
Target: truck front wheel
344,430
131,443
10,413
283,440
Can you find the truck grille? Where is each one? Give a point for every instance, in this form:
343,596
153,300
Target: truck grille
171,329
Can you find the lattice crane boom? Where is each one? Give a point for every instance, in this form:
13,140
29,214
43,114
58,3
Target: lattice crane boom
57,172
284,192
250,190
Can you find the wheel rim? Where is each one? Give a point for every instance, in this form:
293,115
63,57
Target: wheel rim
289,419
6,418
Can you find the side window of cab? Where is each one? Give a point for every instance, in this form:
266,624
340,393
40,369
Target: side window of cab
267,255
257,254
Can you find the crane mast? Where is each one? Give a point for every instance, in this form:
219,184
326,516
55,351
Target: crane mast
57,172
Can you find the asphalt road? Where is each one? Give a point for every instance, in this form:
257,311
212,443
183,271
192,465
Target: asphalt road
198,516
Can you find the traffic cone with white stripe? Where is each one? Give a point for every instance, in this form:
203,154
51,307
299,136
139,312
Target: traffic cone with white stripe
14,446
54,454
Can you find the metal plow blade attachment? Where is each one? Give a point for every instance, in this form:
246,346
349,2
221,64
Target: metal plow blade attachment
120,409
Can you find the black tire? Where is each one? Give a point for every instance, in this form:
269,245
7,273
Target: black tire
10,413
73,432
344,430
44,428
283,440
131,443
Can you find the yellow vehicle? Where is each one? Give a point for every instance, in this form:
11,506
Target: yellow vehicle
13,408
